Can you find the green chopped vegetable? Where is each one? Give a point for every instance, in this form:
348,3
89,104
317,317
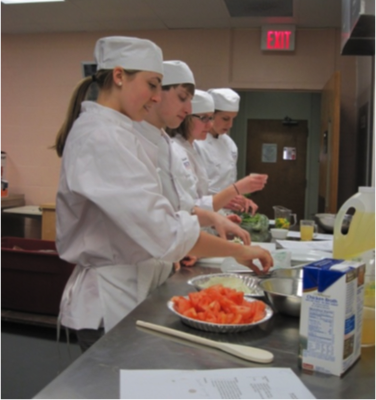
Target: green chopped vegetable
258,222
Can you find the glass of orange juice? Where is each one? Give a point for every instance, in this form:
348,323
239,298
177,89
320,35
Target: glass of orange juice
307,229
368,329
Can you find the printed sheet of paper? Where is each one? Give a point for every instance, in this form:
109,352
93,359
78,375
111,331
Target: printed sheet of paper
235,383
317,236
323,245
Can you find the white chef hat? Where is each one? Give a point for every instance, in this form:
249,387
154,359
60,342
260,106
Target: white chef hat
225,99
202,102
129,53
176,73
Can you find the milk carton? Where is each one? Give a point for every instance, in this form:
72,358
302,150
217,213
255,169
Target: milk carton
331,315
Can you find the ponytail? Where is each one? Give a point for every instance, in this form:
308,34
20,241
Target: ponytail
103,80
73,112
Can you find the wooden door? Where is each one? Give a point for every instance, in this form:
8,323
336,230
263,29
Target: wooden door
267,140
329,145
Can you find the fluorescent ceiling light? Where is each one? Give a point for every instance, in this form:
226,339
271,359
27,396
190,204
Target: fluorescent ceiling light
28,1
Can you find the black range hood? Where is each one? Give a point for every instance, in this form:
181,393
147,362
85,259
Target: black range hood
358,27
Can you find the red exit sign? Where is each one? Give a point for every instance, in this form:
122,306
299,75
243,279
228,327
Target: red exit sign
278,38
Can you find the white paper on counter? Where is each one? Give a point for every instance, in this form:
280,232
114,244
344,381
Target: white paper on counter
234,383
323,245
317,236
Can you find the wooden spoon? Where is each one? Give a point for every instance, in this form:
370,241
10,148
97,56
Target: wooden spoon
241,351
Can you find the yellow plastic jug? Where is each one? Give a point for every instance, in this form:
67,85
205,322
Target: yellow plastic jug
358,243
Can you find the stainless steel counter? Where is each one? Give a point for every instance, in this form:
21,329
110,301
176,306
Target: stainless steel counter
96,373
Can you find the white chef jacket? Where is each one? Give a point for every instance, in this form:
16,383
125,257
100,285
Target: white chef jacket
219,157
197,182
113,221
157,145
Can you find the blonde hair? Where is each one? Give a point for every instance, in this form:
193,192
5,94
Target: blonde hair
104,80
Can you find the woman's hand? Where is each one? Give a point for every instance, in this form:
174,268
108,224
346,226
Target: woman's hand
225,227
256,252
234,218
242,204
188,261
251,183
250,205
236,204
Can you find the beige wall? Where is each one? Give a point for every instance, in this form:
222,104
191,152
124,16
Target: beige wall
40,71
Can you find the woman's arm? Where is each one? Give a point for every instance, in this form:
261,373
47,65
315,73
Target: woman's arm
221,224
212,246
249,184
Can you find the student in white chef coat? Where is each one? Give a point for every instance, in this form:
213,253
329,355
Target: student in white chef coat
113,221
219,152
177,89
195,127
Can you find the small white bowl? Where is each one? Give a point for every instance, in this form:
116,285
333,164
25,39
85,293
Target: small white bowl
279,233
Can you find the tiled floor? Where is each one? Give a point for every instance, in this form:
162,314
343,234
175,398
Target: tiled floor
31,358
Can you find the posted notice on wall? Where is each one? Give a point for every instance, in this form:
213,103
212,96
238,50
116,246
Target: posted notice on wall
234,383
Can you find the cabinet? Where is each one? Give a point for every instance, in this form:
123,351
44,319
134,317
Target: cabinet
48,221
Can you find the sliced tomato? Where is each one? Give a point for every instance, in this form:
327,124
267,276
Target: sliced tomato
222,318
201,316
246,313
259,312
226,303
210,316
181,304
236,297
221,305
237,319
194,297
191,313
203,304
229,318
215,306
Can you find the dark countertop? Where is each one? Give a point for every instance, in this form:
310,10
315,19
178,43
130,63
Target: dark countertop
96,373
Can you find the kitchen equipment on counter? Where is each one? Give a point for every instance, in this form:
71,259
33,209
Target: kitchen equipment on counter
283,217
284,294
235,281
326,222
278,233
359,242
293,272
220,328
241,351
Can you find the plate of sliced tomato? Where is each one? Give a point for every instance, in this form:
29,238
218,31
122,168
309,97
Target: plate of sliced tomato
220,309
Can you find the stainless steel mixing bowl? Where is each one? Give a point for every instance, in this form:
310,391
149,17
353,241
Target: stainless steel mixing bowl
293,272
284,294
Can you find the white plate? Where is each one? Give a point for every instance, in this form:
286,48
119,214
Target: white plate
307,256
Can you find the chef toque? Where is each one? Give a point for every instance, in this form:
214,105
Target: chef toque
225,99
177,73
202,102
129,53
